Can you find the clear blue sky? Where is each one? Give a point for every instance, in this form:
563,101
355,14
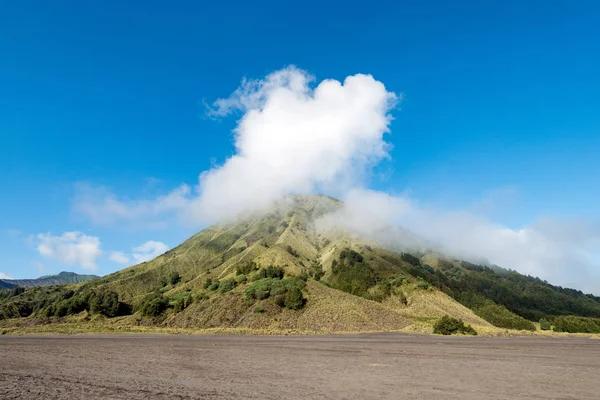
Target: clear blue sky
499,96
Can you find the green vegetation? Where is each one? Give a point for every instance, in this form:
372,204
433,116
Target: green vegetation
221,266
352,275
292,252
183,302
545,324
452,326
574,324
525,296
285,292
227,285
175,278
59,302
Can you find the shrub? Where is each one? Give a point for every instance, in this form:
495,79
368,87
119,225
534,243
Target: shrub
409,258
274,272
292,251
450,326
105,303
175,278
240,279
279,300
352,275
154,307
285,293
213,286
316,270
545,325
183,303
226,285
245,269
574,324
259,309
350,256
294,299
501,317
207,283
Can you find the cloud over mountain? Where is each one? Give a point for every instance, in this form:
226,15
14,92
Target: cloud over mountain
298,135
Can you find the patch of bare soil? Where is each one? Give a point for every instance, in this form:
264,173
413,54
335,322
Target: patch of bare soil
368,366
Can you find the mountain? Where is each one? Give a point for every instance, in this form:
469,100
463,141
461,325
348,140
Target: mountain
62,278
278,272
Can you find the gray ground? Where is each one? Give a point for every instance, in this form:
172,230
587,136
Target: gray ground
370,366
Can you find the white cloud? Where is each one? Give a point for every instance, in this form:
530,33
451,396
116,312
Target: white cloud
149,250
293,138
562,252
119,257
295,135
4,276
71,248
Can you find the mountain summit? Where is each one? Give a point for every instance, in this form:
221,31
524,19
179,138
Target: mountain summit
281,272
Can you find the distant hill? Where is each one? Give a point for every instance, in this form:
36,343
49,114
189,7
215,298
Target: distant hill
278,272
62,278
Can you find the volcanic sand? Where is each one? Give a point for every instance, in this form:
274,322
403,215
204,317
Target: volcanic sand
365,366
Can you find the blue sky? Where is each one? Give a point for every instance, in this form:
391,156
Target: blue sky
499,113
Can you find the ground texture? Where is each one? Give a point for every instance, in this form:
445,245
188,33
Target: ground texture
366,366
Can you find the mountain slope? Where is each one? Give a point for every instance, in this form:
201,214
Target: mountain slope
63,278
278,272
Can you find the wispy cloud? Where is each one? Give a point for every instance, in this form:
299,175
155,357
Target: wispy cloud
4,276
149,250
119,257
101,206
144,252
563,252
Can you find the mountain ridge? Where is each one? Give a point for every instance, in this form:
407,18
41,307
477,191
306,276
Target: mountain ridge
62,278
280,272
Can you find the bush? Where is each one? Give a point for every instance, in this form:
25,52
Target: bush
574,324
545,325
183,302
316,270
279,300
175,278
213,286
227,285
352,275
154,307
409,258
259,309
501,317
105,303
450,326
294,299
285,293
292,252
245,269
207,283
274,272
